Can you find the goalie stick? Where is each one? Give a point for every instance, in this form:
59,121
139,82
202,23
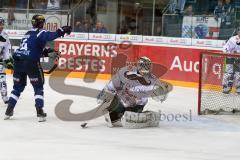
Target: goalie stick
102,108
62,111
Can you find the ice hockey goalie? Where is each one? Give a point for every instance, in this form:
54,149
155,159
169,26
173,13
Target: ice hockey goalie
132,86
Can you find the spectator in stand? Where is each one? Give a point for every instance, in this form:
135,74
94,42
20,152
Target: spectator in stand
218,11
39,4
99,28
180,6
88,27
21,4
84,27
228,13
172,5
189,10
228,22
79,27
53,4
177,6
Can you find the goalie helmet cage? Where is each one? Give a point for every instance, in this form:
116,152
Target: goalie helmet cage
211,100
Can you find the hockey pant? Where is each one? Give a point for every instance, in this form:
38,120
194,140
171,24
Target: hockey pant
117,109
232,71
35,74
3,84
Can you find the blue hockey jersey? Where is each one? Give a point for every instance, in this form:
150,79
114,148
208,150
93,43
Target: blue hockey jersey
33,43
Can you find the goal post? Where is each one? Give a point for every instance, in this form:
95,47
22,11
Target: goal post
211,99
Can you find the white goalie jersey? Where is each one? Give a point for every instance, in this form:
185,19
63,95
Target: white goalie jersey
5,47
134,89
232,45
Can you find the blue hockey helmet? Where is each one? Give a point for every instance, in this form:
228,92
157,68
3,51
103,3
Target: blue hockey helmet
38,21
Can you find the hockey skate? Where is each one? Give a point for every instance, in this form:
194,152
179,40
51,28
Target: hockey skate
9,113
226,89
41,115
5,100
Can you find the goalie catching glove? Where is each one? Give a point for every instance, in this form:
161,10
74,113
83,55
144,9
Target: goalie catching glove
105,96
160,91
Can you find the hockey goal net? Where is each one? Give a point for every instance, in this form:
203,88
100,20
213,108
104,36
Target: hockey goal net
211,99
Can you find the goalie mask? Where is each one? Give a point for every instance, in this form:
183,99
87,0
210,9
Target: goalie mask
144,65
38,21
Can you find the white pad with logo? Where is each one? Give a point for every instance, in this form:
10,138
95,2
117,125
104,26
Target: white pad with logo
135,120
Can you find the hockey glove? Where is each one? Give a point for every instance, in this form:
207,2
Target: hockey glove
46,51
105,96
9,63
2,39
65,29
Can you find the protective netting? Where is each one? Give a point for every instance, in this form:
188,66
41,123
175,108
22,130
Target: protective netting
212,100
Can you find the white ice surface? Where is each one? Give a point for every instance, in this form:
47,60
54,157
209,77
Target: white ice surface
202,138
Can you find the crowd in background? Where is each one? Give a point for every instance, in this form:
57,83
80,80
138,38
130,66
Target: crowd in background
35,4
133,18
89,27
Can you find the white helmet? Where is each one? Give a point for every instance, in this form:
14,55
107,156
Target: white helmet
144,65
2,20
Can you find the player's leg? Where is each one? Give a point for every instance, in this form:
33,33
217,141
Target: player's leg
19,83
116,111
37,80
3,84
228,76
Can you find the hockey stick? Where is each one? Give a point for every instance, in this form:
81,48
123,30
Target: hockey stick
103,107
51,70
56,59
68,19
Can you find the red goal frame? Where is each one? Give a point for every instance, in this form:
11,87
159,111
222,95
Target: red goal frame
208,52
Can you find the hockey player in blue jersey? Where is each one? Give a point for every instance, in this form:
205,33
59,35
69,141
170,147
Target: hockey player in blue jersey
27,63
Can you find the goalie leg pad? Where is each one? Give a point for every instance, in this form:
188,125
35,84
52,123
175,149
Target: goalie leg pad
237,81
115,113
133,120
228,78
3,84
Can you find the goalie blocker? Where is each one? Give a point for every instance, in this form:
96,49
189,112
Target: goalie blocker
132,86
